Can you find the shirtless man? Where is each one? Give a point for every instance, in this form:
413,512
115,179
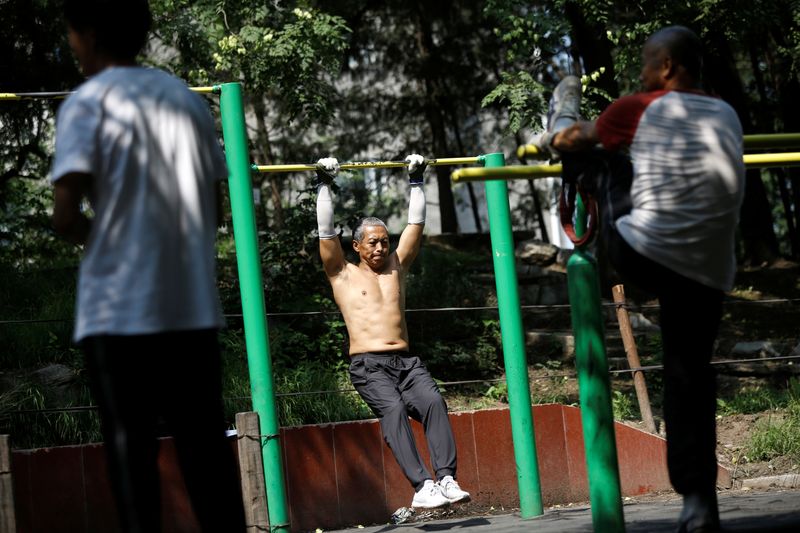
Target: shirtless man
372,298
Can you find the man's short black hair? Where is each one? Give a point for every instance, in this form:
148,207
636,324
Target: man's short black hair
684,46
120,26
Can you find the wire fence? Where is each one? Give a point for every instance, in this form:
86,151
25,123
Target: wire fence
542,307
486,381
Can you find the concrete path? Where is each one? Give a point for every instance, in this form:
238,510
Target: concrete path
740,512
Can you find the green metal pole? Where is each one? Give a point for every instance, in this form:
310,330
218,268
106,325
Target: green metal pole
519,394
253,308
594,387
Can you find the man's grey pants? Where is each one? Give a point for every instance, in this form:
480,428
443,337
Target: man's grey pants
396,385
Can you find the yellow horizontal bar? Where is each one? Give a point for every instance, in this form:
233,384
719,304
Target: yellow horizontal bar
34,96
525,151
787,159
505,173
760,141
213,89
55,95
355,165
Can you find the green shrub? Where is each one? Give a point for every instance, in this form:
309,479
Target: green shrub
623,405
23,416
779,435
751,400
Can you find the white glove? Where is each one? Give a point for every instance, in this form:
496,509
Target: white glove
416,201
416,167
327,169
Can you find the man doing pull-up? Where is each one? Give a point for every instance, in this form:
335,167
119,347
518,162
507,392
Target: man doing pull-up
372,298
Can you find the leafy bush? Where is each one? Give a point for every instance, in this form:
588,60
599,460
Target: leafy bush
623,405
779,435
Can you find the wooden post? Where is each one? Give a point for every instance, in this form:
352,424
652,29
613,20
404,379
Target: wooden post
633,358
8,522
251,468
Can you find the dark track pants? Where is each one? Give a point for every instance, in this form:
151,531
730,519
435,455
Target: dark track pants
176,377
396,385
690,314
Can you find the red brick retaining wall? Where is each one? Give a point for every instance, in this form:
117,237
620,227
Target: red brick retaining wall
344,474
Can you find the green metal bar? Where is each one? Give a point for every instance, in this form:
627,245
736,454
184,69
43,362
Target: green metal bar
253,308
519,394
594,387
356,165
580,216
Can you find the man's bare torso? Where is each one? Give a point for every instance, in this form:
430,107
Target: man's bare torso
373,306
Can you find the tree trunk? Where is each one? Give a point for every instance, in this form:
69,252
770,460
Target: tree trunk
264,149
595,51
787,87
433,105
786,199
760,244
473,200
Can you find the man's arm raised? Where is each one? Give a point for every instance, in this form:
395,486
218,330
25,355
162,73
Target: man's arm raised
411,238
330,249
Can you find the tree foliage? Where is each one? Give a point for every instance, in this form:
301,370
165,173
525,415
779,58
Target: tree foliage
751,62
366,79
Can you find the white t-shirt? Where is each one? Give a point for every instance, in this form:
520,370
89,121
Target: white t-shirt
150,146
688,180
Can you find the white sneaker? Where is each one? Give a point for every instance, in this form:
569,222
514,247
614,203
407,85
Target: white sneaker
429,496
450,490
564,111
565,104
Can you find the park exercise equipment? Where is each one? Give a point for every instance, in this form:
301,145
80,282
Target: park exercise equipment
59,95
463,175
586,311
359,165
757,141
513,340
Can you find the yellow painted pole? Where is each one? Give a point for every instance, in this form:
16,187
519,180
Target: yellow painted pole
787,159
57,95
505,173
759,141
356,165
531,151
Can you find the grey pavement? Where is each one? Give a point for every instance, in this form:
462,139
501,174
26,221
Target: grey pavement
740,511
